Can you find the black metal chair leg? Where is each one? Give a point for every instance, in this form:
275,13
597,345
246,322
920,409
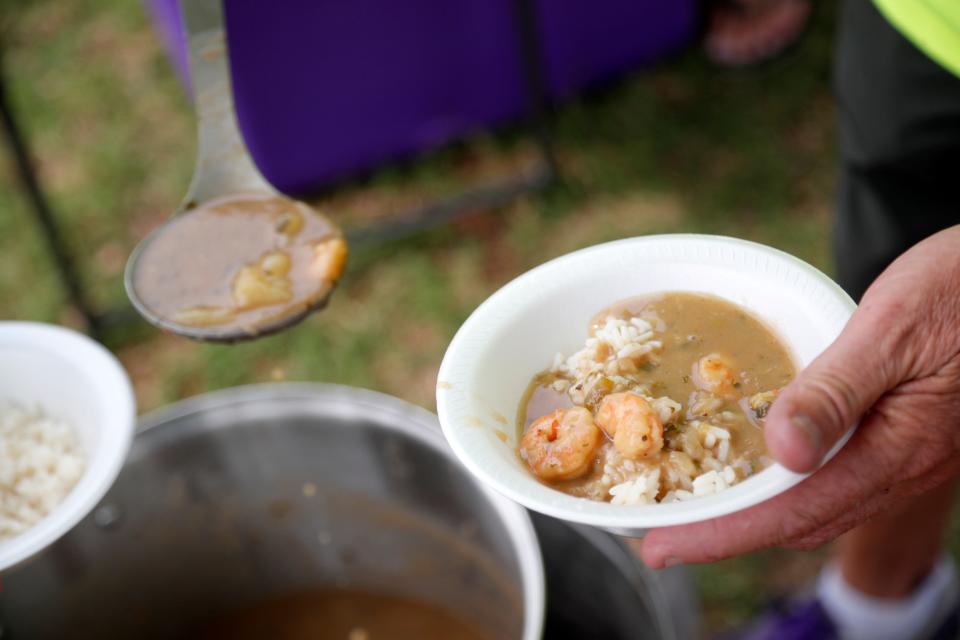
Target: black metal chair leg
535,82
41,210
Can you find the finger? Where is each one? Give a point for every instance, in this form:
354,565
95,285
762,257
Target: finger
852,517
839,386
848,480
790,516
881,502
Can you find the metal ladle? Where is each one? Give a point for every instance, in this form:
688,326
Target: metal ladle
223,165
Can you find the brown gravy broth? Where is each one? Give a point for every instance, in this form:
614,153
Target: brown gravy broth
191,273
689,326
327,614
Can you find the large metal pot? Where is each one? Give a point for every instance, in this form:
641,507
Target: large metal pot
237,496
596,588
229,498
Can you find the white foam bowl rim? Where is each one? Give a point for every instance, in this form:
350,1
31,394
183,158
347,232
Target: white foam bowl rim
518,330
69,377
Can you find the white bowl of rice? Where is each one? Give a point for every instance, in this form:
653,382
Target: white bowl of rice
67,414
520,329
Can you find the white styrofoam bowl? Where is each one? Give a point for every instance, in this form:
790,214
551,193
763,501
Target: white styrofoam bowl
516,332
73,378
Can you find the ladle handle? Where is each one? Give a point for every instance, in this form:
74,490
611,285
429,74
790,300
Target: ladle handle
224,165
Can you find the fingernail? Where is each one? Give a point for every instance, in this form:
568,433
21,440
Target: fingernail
808,431
671,561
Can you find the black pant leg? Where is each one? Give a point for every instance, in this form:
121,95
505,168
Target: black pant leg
899,121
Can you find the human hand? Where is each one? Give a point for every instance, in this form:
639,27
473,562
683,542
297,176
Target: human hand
896,369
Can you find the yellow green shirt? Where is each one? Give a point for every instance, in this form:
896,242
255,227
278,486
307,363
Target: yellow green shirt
932,25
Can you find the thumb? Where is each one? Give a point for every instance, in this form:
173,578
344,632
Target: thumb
829,396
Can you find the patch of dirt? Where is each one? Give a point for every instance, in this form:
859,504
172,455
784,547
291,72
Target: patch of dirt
499,261
464,269
470,166
103,40
149,364
43,19
609,217
110,258
421,337
417,384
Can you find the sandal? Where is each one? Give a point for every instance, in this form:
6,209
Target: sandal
742,33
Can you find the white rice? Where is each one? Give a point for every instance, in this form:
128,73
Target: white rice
715,435
642,489
723,450
713,481
614,343
637,482
40,462
704,485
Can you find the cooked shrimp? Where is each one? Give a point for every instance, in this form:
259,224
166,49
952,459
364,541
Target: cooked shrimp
560,445
632,423
715,374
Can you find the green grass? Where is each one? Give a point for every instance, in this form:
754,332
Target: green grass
683,147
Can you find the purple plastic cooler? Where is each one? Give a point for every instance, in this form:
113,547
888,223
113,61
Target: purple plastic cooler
327,89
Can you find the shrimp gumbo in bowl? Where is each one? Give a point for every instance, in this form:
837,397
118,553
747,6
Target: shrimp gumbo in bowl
664,402
625,385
